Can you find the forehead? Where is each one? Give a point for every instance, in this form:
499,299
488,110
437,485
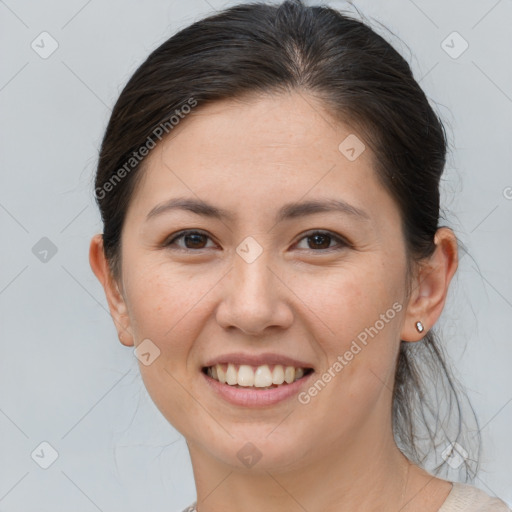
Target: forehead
257,127
257,153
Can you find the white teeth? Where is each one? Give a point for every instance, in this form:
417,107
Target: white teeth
231,375
260,377
289,374
278,374
245,376
221,374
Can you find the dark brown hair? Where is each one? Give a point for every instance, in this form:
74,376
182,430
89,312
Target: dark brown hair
363,82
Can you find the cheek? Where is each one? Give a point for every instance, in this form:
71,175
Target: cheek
360,308
351,298
165,305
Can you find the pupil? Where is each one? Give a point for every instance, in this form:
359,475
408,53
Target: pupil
316,237
194,242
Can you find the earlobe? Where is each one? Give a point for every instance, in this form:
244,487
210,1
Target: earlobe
430,288
115,299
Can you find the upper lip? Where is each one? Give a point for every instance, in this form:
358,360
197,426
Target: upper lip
257,360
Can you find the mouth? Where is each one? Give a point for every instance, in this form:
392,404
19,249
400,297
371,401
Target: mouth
261,377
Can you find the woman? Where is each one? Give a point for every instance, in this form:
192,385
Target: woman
269,188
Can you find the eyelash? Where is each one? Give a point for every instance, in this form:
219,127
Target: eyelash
341,241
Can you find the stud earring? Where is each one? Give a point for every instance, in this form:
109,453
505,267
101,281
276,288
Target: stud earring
419,327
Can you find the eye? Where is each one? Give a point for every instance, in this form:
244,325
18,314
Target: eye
322,240
191,239
197,240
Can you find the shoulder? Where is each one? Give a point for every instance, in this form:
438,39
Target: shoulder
466,498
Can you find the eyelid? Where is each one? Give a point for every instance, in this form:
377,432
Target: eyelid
181,234
342,241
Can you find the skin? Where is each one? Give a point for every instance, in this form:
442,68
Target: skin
302,297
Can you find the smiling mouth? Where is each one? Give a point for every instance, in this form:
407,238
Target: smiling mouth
261,377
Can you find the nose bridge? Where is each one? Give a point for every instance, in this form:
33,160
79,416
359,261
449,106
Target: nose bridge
253,298
253,281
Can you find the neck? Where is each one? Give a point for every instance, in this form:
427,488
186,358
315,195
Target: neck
370,476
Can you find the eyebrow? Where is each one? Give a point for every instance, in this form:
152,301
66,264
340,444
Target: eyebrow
288,211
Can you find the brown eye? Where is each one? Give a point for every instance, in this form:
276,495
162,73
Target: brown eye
191,239
317,241
322,240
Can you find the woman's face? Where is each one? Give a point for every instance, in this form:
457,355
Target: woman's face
259,286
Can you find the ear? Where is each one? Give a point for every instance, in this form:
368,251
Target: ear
430,286
115,299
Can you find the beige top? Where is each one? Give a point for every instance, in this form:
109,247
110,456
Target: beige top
466,498
462,498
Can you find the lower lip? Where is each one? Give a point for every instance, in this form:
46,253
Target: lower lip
254,397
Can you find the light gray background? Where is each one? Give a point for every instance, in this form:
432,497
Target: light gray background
64,376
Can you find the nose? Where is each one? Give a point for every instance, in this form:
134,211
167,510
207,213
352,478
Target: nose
254,297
